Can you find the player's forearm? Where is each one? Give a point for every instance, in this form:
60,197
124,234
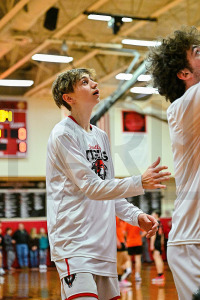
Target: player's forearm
97,189
127,211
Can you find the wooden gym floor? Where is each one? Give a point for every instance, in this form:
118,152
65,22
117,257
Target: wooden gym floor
29,284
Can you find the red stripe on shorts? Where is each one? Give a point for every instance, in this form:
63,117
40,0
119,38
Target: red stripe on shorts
68,270
82,295
115,298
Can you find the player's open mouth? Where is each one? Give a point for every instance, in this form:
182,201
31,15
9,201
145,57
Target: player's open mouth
96,92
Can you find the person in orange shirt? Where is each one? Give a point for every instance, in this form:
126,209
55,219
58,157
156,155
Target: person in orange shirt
123,260
134,236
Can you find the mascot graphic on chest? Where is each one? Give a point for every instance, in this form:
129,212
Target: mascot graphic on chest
99,168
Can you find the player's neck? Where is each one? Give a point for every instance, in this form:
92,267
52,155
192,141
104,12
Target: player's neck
82,118
190,83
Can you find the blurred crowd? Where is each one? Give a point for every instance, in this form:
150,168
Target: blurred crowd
133,248
30,249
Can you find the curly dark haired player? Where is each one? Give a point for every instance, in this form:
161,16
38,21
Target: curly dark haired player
175,69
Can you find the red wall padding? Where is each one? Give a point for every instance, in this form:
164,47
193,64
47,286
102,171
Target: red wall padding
27,224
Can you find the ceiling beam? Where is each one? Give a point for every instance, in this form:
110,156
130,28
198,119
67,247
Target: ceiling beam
5,48
58,34
24,20
157,13
9,16
68,27
87,44
20,20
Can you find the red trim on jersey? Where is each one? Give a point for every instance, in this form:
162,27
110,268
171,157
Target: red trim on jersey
77,122
73,119
68,269
82,295
115,298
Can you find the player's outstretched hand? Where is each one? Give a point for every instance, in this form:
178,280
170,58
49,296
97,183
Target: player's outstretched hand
148,223
152,177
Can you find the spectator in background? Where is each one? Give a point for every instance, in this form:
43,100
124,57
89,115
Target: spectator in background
43,246
156,244
33,243
134,245
145,250
123,260
2,272
9,247
21,237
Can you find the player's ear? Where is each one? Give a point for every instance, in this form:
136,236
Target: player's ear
67,99
184,74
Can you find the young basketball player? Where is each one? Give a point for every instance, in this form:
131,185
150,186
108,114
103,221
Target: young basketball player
83,197
134,245
175,68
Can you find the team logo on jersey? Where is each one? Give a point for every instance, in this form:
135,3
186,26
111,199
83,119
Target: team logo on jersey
70,279
97,157
100,168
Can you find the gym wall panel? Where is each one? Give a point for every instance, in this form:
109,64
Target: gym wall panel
133,152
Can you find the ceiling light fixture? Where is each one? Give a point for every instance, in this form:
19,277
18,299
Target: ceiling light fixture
99,17
52,58
143,90
123,76
107,18
144,77
141,43
115,21
125,18
16,82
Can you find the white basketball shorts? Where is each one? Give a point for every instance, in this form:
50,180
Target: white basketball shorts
184,262
90,286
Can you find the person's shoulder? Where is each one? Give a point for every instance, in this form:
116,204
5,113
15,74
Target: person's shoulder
185,98
102,132
61,126
64,127
174,104
193,89
190,93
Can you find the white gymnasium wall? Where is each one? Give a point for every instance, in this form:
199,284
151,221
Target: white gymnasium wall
159,143
156,142
42,115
